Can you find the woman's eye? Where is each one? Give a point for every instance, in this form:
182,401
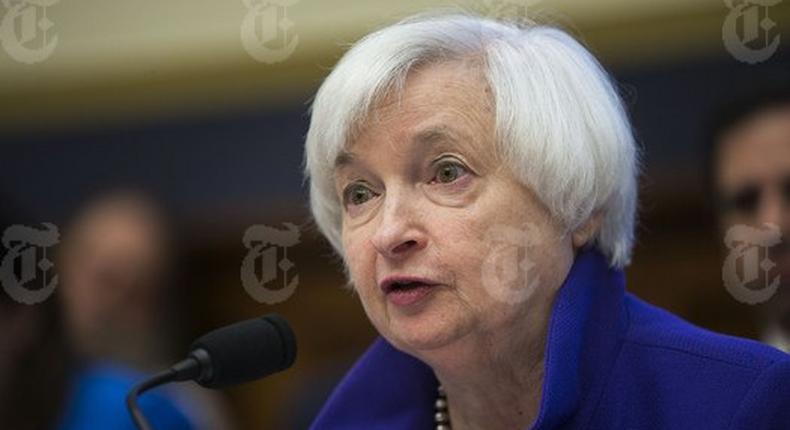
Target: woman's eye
449,171
357,194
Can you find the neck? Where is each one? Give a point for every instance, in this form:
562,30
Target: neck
512,404
494,379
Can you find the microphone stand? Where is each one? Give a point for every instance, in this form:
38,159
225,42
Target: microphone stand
197,365
160,378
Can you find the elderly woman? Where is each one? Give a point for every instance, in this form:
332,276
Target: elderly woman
478,179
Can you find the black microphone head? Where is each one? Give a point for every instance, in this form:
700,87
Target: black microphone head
246,351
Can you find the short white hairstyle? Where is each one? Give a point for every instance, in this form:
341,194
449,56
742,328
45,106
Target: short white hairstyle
560,123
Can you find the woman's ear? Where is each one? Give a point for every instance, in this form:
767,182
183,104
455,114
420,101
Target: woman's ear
587,230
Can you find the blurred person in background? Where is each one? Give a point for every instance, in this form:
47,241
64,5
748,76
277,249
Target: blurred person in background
750,175
120,298
42,383
116,276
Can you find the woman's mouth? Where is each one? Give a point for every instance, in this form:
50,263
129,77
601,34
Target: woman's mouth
405,291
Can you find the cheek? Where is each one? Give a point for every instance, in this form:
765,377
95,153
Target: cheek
506,256
359,259
488,277
461,247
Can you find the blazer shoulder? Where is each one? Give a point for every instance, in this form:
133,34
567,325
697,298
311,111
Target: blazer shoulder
657,329
672,372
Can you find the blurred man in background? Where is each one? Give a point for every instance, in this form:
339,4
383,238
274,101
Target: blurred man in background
43,382
750,161
121,296
115,275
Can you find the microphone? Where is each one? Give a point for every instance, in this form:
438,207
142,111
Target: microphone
234,354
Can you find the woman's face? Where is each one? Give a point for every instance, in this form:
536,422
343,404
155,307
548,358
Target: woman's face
424,196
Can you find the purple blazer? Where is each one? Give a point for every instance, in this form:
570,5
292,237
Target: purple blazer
612,362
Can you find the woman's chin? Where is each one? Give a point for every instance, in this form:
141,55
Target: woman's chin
418,334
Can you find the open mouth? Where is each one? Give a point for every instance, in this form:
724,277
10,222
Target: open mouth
400,284
405,290
405,286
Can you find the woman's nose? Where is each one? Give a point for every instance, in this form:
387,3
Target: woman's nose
400,231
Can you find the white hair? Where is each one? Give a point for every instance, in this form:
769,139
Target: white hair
560,123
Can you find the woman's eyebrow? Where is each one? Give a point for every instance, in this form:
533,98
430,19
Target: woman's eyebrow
344,158
445,138
426,138
439,136
435,135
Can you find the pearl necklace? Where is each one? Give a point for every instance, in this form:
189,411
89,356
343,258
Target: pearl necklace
442,415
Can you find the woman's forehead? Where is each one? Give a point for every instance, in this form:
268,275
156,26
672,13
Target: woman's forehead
444,85
443,106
